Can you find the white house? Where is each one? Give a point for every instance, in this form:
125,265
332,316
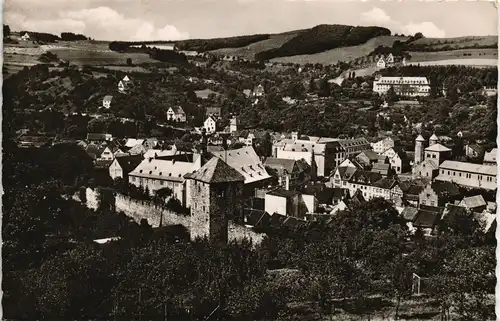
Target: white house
390,59
383,145
25,37
124,84
106,102
381,63
210,125
176,114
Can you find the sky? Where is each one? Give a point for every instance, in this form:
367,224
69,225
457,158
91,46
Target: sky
191,19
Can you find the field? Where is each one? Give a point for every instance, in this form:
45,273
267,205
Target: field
464,62
249,51
341,54
99,58
462,54
458,42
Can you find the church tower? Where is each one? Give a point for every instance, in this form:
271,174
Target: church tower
433,140
215,191
419,149
233,125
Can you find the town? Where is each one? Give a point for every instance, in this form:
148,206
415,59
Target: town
209,186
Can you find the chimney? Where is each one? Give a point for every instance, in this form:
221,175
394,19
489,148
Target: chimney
287,182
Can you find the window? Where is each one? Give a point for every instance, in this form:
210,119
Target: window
433,155
433,203
454,173
480,177
442,171
448,172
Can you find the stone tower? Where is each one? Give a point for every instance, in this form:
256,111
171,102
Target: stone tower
433,140
419,149
215,192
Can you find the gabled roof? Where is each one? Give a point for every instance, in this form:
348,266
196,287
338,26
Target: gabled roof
327,195
473,201
371,155
491,156
246,162
97,136
366,177
213,111
177,110
355,200
426,219
108,98
437,148
381,168
95,151
433,137
409,213
128,163
280,164
131,142
281,192
216,171
445,188
385,183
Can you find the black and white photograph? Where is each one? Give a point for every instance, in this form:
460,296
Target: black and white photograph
249,160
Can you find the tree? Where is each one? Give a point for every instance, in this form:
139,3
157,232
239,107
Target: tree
312,86
323,88
129,61
6,31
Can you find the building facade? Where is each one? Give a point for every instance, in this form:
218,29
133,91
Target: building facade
403,86
468,175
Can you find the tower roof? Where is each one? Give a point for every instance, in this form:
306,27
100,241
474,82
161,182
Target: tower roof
420,139
434,137
216,171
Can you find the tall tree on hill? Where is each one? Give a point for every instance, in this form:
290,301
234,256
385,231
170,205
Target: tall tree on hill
6,31
312,86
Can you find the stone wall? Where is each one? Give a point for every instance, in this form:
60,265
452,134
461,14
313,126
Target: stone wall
144,209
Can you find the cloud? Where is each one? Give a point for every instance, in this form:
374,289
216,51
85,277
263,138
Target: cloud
101,23
379,17
376,15
428,29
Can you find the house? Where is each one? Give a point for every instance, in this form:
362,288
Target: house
382,145
381,63
291,173
106,101
411,190
124,84
367,158
258,91
284,202
468,175
210,125
349,203
388,189
214,196
474,203
383,169
341,176
490,158
439,193
363,181
176,114
25,37
214,112
98,153
154,174
398,160
427,219
246,161
98,137
150,143
474,151
247,92
403,86
121,166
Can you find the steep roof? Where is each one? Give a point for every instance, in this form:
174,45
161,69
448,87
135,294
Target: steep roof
433,137
281,192
129,163
246,162
280,164
473,201
381,168
491,156
409,213
445,188
108,98
437,148
420,138
327,195
371,155
216,171
426,219
365,177
385,183
95,151
178,110
131,142
469,167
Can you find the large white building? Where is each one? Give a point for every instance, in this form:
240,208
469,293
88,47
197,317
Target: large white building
468,174
403,86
